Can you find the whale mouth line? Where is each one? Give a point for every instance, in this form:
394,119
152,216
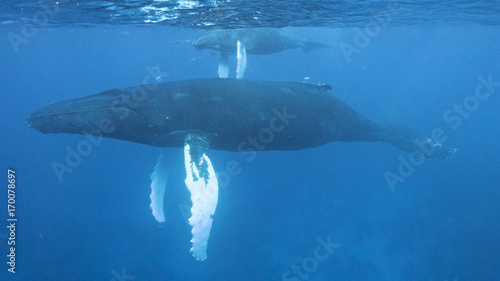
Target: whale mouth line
37,120
77,111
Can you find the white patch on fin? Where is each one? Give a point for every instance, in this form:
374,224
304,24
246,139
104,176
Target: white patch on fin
201,182
223,70
241,56
159,179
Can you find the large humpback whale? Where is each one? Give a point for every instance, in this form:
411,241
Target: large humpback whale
257,41
223,114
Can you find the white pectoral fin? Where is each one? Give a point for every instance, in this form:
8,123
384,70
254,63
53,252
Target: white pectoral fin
241,56
201,182
223,70
159,179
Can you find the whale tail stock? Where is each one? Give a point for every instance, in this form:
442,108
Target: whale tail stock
409,140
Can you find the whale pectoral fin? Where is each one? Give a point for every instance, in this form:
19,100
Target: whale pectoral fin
241,56
201,182
223,70
159,179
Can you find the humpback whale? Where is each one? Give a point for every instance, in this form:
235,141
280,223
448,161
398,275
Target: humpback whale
223,114
257,41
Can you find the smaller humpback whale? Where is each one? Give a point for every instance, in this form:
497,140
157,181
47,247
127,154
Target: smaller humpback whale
255,41
223,114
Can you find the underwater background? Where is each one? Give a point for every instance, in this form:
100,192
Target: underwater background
440,222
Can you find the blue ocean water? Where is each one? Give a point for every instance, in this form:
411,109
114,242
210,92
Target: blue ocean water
440,221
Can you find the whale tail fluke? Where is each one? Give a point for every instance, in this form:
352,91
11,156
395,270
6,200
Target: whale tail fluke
408,140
